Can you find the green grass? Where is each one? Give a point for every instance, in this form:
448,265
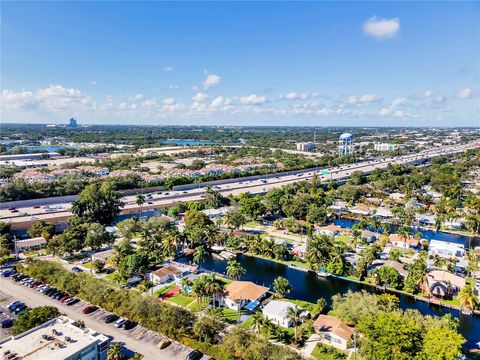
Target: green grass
325,352
87,265
454,301
110,276
34,252
164,290
306,305
231,315
247,324
252,224
181,300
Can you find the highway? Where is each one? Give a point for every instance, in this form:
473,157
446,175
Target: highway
61,210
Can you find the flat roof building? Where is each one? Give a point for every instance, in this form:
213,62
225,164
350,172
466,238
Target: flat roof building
57,339
305,146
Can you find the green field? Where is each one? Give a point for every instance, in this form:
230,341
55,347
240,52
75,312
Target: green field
164,290
325,352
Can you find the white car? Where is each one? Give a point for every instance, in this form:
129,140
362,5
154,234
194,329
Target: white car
119,323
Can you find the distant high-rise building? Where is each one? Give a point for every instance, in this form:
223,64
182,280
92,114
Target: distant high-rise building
385,147
345,145
305,146
73,123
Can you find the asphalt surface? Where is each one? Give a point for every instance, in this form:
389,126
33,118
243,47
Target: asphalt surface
156,200
138,339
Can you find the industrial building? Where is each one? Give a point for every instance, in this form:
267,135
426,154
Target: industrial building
306,146
346,145
59,339
385,147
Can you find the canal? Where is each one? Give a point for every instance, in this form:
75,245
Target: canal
308,286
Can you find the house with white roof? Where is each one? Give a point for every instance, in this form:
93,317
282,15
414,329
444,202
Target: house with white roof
445,249
277,312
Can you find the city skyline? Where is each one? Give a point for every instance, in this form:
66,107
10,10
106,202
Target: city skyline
233,64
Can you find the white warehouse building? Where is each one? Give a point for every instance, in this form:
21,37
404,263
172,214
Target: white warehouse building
385,147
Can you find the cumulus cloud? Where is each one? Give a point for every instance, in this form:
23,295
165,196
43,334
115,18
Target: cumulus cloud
93,82
217,102
361,100
136,97
297,96
398,101
167,68
381,28
168,101
466,93
253,99
200,97
211,81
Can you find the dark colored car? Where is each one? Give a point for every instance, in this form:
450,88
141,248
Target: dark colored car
20,309
77,269
89,309
16,306
110,318
129,325
7,323
13,304
50,291
194,355
71,301
6,273
59,296
64,298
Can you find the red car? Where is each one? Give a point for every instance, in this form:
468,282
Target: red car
89,309
62,299
37,207
11,209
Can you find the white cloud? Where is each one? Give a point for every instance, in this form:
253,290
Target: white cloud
150,103
426,94
211,81
136,97
168,101
200,97
93,82
253,100
297,96
173,87
361,100
217,102
167,68
381,28
466,93
398,101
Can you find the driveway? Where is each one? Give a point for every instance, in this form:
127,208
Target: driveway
139,339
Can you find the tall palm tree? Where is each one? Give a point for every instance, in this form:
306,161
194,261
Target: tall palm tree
468,297
235,269
257,321
294,313
200,254
115,352
137,356
140,200
404,233
167,246
213,287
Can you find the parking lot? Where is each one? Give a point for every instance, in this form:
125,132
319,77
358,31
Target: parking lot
5,314
138,339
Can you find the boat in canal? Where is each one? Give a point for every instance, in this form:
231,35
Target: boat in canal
323,273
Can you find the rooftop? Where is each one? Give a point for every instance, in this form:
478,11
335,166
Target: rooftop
333,324
244,290
56,339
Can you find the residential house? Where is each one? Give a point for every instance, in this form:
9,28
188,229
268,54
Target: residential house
360,209
384,213
331,230
277,312
442,283
30,244
334,331
401,268
445,249
240,294
168,273
102,255
370,236
300,250
404,242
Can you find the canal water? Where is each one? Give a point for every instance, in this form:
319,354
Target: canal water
467,241
308,286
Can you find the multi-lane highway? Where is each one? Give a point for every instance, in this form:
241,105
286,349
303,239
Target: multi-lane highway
155,200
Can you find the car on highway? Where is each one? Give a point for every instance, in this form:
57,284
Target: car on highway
11,209
119,323
89,309
7,323
194,355
110,318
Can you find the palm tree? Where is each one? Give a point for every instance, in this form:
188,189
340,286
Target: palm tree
137,356
140,200
257,321
468,297
167,246
294,313
185,283
213,287
235,269
281,286
404,233
200,254
115,352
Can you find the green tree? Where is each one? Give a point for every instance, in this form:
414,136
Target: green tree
98,203
235,269
441,343
293,314
34,317
252,207
389,276
200,254
97,236
206,328
281,286
234,218
468,297
41,228
115,352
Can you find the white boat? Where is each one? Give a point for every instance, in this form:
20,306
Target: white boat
227,255
323,273
217,249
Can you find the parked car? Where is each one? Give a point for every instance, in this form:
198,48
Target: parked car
7,323
6,273
12,305
86,260
77,269
90,309
37,207
64,298
71,301
194,355
20,309
119,323
110,318
128,325
164,344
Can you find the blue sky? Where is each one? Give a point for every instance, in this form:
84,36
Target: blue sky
242,63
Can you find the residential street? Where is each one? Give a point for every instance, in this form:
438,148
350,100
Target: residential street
139,339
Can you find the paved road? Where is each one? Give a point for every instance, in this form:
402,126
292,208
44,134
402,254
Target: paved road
154,201
139,339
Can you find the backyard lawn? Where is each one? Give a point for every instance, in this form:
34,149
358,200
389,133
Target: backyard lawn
182,300
164,290
325,352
